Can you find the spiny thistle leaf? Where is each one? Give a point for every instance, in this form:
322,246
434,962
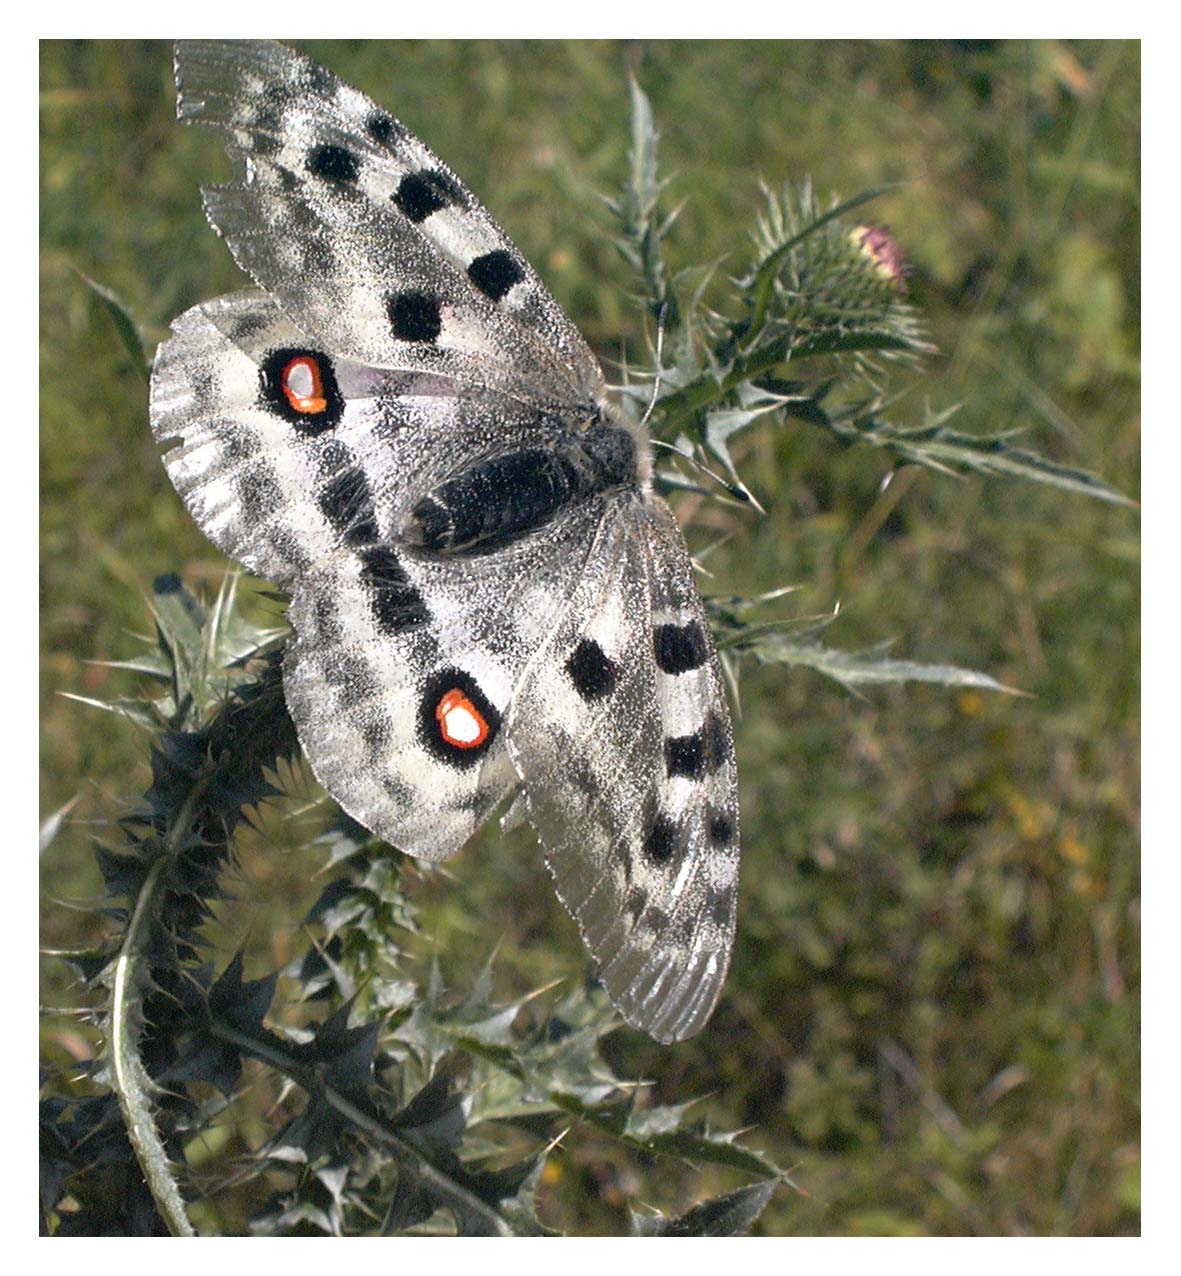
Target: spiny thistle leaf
796,641
940,448
144,713
733,1214
437,1116
859,668
642,229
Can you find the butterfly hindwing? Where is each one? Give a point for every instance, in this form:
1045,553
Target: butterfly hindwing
620,734
403,670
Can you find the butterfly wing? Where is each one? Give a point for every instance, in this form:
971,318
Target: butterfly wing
314,501
364,238
279,481
399,340
621,736
403,671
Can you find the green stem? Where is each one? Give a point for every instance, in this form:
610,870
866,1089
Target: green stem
683,407
132,1083
271,1052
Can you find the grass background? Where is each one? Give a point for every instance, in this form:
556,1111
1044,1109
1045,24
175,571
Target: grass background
933,1008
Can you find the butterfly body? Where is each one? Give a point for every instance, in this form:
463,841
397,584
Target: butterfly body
400,427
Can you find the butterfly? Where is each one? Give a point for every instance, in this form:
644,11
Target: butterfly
399,427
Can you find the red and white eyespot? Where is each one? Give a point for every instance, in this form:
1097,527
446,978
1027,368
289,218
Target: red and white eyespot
461,724
303,385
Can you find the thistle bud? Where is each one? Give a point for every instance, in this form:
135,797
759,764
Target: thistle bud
886,257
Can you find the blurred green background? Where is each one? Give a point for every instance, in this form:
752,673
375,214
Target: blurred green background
933,1009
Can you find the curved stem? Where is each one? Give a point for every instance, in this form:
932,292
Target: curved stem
132,1083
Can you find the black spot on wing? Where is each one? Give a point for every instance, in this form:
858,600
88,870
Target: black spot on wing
495,273
680,648
352,677
266,129
245,326
284,543
661,843
721,828
423,193
699,754
259,495
334,164
719,907
400,793
204,384
395,603
684,755
321,83
384,128
592,673
376,731
415,316
716,743
347,503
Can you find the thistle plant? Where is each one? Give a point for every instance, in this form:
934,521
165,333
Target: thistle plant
403,1105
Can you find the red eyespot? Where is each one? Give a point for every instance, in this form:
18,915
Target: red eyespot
304,387
460,722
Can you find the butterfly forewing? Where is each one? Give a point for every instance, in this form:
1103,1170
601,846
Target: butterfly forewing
368,242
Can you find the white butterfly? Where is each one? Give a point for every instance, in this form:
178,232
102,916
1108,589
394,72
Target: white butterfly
400,427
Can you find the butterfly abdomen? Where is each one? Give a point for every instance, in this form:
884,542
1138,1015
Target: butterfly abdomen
497,501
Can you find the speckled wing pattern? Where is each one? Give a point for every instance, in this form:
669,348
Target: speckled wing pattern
398,425
635,796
